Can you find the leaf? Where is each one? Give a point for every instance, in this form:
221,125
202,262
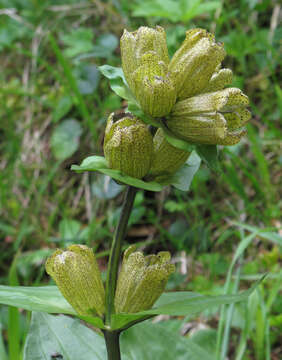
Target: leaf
65,139
105,187
117,82
78,41
63,106
135,109
88,77
43,298
206,339
50,335
182,304
209,154
183,177
267,234
149,341
99,163
60,335
106,45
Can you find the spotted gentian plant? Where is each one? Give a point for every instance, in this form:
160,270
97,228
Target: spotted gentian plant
178,111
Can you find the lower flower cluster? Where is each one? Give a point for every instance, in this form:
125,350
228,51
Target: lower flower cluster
141,281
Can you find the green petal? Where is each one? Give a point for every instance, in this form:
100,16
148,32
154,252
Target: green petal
232,137
167,159
152,86
128,146
206,128
134,45
194,63
77,275
141,280
219,80
237,119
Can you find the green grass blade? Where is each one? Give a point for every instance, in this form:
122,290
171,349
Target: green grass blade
3,354
244,243
82,107
229,316
13,319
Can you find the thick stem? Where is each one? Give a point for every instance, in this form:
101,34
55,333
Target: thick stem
116,252
112,344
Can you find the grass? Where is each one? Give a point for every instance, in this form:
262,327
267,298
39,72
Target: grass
44,205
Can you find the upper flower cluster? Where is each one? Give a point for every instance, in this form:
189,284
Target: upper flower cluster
188,90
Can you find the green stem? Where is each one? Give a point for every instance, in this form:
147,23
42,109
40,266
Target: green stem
112,344
111,337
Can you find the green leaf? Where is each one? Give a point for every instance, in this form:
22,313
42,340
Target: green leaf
78,41
209,154
112,72
60,335
105,187
65,139
135,109
206,339
183,177
149,341
182,304
117,82
99,163
63,106
50,335
87,77
105,46
44,298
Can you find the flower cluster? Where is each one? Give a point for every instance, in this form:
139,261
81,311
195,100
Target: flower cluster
130,147
186,94
140,283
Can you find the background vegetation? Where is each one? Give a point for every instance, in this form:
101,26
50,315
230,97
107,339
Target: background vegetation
54,104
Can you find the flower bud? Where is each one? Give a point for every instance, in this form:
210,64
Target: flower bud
194,63
142,280
153,88
77,275
219,80
128,145
145,65
167,159
211,118
134,45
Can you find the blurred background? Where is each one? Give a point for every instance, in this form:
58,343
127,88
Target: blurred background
54,104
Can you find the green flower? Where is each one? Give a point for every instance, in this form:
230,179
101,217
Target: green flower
142,280
145,61
211,118
128,145
167,159
194,63
77,275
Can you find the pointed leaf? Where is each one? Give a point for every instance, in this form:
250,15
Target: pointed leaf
182,179
98,163
149,341
42,298
178,304
61,335
209,154
117,81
